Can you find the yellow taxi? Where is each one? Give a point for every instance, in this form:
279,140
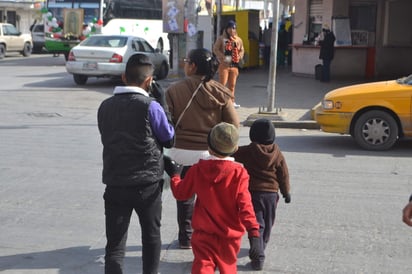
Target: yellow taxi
375,114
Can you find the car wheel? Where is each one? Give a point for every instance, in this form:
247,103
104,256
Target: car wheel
80,79
2,51
163,71
26,50
376,130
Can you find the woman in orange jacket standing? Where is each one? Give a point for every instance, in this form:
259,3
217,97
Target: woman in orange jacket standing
229,51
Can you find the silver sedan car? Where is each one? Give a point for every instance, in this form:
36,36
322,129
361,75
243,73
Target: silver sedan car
107,55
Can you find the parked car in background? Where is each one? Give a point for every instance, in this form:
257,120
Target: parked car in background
106,56
37,35
375,114
12,40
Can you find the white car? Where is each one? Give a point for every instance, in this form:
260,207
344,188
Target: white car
106,56
12,40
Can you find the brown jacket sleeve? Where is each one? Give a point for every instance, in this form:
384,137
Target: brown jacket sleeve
229,115
283,175
240,46
218,49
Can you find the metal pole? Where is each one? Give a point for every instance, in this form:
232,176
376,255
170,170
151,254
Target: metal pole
191,17
273,56
101,10
219,17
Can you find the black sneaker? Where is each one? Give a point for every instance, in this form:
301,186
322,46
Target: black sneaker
185,245
256,265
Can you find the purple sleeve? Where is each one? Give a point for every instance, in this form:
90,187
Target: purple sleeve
162,129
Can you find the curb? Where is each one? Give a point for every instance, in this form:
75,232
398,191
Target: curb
279,121
288,124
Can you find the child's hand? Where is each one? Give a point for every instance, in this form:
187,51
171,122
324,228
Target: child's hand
171,167
287,198
254,248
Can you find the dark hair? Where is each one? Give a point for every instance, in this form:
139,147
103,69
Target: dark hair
138,68
205,62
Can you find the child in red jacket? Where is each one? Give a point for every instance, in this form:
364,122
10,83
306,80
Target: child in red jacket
223,207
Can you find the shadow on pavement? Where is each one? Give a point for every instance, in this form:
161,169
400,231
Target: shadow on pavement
80,260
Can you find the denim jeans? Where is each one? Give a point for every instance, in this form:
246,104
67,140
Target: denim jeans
119,205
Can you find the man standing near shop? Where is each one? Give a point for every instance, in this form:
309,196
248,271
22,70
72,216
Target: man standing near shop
327,51
229,50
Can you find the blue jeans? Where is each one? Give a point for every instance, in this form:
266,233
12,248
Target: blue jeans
119,204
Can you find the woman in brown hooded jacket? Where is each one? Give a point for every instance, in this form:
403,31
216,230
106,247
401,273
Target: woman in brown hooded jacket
196,103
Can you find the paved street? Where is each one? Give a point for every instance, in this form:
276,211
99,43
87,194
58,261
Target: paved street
345,215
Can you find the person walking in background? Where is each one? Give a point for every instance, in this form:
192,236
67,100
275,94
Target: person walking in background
267,40
269,174
327,51
196,103
229,51
407,213
289,31
282,46
223,206
134,129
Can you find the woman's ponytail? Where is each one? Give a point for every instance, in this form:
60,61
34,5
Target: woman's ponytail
205,62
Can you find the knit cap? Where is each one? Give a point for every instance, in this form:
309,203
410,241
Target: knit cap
231,24
262,131
223,139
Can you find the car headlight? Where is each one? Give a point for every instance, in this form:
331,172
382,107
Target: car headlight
327,104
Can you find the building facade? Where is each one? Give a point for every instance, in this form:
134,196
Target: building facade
20,13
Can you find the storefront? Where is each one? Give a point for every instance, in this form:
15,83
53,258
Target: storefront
373,39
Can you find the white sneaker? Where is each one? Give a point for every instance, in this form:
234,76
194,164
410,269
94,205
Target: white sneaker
236,105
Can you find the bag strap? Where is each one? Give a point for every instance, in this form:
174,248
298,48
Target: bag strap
188,104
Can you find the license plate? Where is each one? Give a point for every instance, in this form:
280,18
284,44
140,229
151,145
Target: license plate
90,66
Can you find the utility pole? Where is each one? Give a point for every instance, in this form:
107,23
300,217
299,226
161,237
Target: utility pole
219,17
273,57
101,10
191,20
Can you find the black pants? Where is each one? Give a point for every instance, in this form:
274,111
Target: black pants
119,205
266,57
184,216
264,204
326,70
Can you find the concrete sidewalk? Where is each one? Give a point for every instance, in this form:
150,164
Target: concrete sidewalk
295,96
